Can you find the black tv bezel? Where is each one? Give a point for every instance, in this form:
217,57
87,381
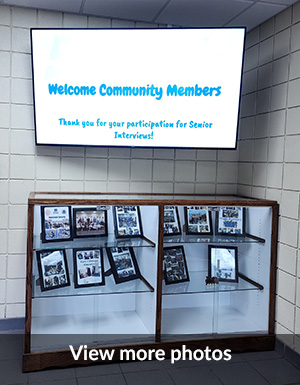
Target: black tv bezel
139,147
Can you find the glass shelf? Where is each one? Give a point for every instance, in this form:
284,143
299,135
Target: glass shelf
197,285
110,287
211,239
77,243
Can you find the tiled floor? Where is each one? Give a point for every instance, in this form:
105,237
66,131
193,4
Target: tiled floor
262,368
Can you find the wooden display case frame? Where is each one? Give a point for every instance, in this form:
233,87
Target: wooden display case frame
33,361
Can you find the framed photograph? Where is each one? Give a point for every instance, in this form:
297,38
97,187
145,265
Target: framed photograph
88,267
198,220
230,221
53,269
174,265
223,263
127,221
89,222
171,221
56,223
123,264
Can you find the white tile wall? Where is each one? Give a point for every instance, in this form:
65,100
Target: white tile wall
276,143
281,48
264,76
261,128
289,206
274,175
287,258
277,123
286,286
17,216
285,314
16,266
141,170
275,149
185,171
2,267
24,17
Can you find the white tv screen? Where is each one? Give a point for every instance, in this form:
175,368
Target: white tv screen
177,88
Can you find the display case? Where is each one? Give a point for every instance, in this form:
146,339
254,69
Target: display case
147,271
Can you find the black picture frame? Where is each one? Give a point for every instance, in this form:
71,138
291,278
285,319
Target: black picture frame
123,264
171,221
175,268
223,263
88,267
53,269
198,220
128,223
230,220
56,223
89,222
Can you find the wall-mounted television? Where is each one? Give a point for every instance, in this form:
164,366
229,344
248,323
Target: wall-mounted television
172,88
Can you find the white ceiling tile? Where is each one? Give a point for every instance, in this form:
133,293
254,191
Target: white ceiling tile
204,13
256,15
280,2
141,10
194,13
72,6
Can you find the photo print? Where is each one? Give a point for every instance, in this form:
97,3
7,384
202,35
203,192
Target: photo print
127,221
230,221
171,221
174,265
123,264
198,220
89,222
53,269
223,263
88,267
56,223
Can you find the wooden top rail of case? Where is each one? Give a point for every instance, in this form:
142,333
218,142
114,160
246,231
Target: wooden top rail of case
143,199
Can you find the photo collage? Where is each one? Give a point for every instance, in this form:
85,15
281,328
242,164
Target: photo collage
88,222
222,260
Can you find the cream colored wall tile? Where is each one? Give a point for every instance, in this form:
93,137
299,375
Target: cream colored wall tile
288,231
96,169
17,216
290,204
286,286
15,290
16,266
285,314
23,17
163,170
287,258
16,310
185,171
141,169
118,169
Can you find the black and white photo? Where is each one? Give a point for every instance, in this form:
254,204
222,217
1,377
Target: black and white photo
174,265
171,221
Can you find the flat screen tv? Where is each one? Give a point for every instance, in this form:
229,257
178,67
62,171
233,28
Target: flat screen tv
171,88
